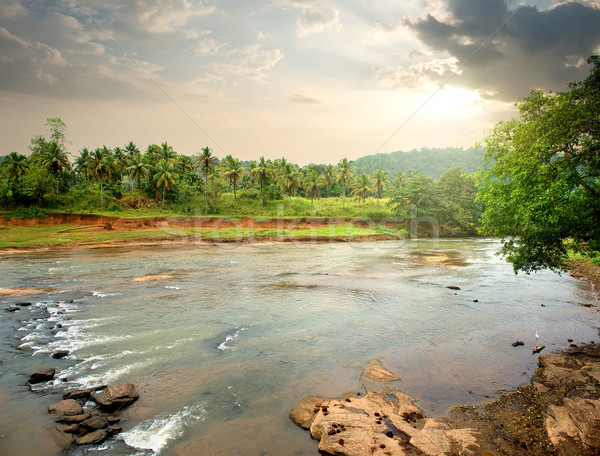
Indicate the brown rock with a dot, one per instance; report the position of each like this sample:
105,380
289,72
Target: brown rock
577,420
116,396
60,354
112,430
453,287
95,422
304,412
375,372
93,438
67,407
73,419
42,375
76,394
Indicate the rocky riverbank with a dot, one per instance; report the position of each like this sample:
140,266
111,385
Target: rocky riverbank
557,414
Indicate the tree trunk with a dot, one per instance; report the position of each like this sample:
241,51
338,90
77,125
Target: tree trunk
291,213
206,193
101,196
344,197
139,191
312,199
262,196
163,202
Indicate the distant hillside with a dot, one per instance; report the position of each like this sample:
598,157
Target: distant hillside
433,162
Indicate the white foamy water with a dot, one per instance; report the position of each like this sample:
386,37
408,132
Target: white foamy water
156,433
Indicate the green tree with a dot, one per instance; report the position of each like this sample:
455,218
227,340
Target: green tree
345,171
102,162
288,178
37,182
164,176
58,130
138,170
261,172
233,170
206,162
541,184
14,164
362,186
381,179
84,166
460,211
311,183
55,160
329,178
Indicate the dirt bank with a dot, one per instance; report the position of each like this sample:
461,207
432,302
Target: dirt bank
149,223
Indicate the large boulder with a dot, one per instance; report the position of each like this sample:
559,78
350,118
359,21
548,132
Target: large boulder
115,397
304,412
77,394
577,420
73,419
42,375
67,407
95,422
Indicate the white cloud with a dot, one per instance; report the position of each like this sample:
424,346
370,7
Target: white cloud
206,46
251,62
418,74
316,21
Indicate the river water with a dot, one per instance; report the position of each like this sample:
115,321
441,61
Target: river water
224,348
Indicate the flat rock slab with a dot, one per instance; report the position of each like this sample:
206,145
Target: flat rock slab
378,423
116,396
375,372
67,407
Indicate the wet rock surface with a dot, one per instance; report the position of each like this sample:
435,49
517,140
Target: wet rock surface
557,414
90,426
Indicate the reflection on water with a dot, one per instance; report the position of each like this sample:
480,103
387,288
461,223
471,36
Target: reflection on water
223,347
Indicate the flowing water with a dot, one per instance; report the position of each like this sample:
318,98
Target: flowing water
224,348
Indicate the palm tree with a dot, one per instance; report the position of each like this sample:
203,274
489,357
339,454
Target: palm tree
164,176
205,162
185,164
102,162
344,175
55,160
288,178
83,165
138,170
131,150
311,185
329,178
260,172
381,180
166,152
362,186
234,170
15,164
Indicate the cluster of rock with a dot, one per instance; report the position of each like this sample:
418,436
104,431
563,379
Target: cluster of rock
80,423
91,425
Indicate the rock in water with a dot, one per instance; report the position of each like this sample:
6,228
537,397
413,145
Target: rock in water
538,349
41,375
60,354
379,423
304,412
453,287
116,396
67,407
518,343
93,438
375,372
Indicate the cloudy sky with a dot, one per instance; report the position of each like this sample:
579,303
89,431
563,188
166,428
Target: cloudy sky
310,80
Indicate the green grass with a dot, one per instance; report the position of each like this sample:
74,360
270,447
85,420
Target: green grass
73,235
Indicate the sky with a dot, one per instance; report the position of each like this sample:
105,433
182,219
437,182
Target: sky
310,80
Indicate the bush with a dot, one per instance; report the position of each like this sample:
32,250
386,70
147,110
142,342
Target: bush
114,208
27,213
274,192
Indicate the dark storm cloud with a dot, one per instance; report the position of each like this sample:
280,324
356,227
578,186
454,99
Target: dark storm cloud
525,49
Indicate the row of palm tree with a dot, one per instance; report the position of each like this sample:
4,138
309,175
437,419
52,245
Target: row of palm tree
161,166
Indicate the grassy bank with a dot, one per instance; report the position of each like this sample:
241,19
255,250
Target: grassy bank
67,235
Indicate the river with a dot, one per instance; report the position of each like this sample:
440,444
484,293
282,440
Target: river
224,347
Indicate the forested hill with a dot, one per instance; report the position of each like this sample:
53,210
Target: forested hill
433,162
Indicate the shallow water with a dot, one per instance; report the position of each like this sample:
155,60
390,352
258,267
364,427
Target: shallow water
222,350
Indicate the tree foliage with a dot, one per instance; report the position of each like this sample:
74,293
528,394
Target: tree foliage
541,184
